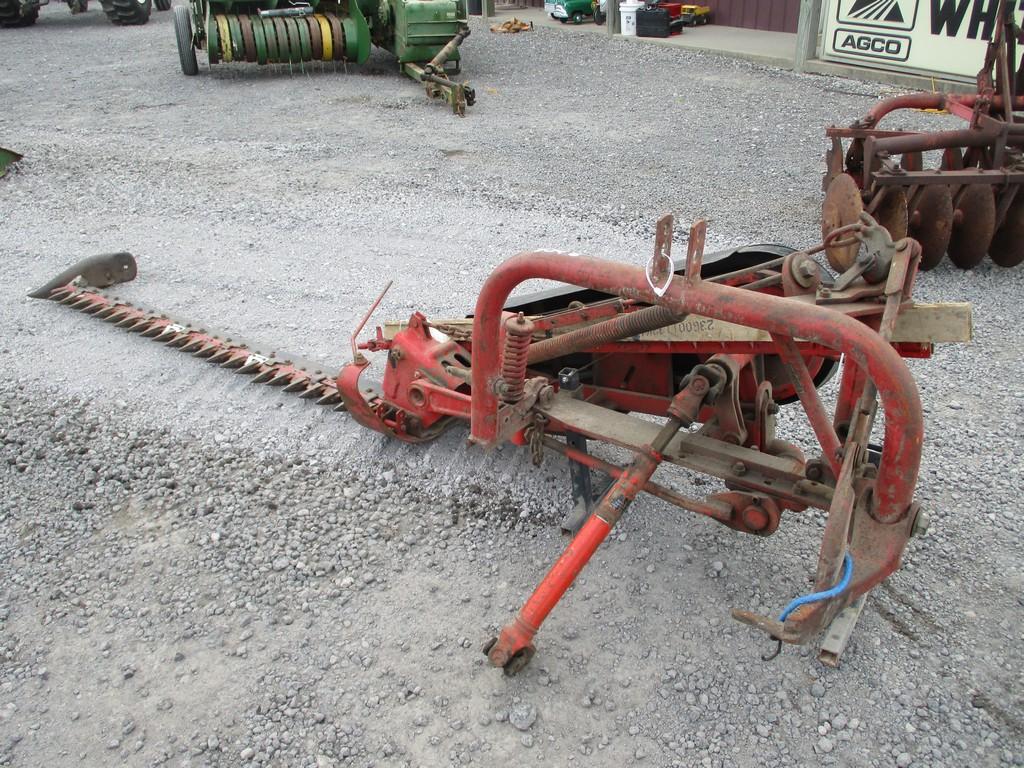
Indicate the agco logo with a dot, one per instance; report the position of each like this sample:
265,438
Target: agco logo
866,24
891,14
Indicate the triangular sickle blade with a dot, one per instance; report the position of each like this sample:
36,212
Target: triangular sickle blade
329,398
661,267
299,383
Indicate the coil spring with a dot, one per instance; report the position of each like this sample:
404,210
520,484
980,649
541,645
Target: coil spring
518,333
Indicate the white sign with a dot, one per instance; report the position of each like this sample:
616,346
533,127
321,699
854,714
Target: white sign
942,37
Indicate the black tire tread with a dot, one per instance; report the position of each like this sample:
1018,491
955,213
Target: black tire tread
128,12
10,14
163,5
183,36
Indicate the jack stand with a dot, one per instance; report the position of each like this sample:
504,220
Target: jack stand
839,632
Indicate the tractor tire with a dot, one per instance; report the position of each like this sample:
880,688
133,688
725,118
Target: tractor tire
163,5
598,18
128,13
11,14
183,34
577,18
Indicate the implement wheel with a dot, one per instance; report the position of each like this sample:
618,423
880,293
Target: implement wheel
162,5
128,13
183,34
11,14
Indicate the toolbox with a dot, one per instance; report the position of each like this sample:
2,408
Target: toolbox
653,21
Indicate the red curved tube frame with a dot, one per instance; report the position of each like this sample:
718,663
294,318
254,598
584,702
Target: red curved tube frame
929,101
904,425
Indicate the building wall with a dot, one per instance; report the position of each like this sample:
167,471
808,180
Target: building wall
769,15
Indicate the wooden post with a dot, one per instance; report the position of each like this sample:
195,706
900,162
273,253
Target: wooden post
807,30
612,9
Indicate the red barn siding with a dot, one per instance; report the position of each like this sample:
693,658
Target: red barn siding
769,15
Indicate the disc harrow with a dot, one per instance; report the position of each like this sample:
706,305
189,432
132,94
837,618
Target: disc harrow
711,350
969,205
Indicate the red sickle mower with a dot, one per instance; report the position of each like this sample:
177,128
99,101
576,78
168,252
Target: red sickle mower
712,349
969,206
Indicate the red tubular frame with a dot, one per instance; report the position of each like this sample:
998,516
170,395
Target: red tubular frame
904,424
930,101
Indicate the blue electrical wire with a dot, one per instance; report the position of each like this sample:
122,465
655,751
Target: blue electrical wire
814,597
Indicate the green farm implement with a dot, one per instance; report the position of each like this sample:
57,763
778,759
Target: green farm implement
424,35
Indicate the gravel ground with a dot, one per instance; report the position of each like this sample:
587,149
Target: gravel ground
198,572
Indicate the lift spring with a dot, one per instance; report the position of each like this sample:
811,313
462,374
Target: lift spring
518,334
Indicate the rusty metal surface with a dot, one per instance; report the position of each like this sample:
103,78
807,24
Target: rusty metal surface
930,222
842,207
974,224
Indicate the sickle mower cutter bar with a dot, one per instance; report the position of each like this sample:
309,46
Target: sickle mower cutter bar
719,344
969,206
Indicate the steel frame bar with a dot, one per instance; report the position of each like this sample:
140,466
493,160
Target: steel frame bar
796,367
904,424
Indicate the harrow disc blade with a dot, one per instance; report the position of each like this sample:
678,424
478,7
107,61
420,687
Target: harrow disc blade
842,206
1007,248
974,224
891,212
931,223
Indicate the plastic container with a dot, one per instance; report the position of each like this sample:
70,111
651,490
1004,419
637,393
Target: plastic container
627,15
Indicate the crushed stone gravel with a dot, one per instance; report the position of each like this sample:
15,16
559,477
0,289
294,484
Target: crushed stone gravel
198,572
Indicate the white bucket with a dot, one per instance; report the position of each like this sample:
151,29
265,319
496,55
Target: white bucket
627,14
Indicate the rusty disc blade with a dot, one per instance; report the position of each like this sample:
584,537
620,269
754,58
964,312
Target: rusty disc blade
842,206
1007,248
974,224
930,222
890,210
